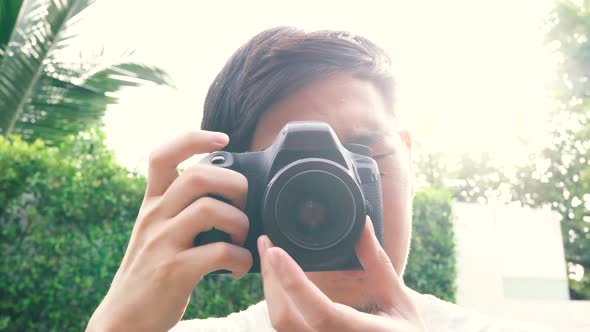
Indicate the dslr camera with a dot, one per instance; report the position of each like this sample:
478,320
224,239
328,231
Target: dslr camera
309,193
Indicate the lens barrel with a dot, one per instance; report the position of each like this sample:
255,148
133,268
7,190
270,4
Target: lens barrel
314,209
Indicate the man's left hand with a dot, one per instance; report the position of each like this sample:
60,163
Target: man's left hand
296,304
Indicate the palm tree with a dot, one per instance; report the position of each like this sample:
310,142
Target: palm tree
42,96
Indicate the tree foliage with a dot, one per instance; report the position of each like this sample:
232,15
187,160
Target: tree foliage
41,94
560,176
64,221
468,178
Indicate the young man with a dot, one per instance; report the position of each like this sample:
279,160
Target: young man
280,75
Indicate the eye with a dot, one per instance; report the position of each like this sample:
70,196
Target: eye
381,156
382,149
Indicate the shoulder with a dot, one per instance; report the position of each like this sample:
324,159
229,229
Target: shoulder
444,316
255,318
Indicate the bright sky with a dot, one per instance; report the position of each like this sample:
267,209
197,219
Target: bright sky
472,74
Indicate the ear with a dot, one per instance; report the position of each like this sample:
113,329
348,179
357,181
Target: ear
406,138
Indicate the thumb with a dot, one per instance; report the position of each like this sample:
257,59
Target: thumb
388,288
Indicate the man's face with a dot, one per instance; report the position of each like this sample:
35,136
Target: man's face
355,110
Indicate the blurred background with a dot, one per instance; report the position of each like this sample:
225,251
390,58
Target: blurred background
496,95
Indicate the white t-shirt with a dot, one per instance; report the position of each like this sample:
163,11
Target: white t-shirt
438,316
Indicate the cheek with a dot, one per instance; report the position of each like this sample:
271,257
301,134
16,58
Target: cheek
397,216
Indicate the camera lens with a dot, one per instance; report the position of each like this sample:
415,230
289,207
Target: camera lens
315,209
311,213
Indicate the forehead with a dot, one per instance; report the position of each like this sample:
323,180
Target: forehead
349,105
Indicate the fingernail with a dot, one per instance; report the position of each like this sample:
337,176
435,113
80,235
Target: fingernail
263,244
370,224
219,138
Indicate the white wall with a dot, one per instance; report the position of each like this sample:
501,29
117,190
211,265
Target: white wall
511,264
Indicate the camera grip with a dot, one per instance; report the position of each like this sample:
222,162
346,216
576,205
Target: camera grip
214,235
211,236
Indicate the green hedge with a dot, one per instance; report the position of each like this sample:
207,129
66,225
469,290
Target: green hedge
431,266
65,217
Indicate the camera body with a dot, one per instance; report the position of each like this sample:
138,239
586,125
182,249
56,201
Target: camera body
309,194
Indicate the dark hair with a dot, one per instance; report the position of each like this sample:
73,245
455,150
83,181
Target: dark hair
278,61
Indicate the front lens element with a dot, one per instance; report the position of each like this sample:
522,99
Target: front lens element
315,209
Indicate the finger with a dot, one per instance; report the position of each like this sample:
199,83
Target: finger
205,214
317,310
283,314
164,160
202,180
389,290
192,264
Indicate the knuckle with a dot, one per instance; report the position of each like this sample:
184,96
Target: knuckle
146,217
223,251
149,212
206,207
154,243
155,158
323,320
282,321
165,270
291,285
197,178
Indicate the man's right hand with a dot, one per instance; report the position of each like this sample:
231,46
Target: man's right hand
152,287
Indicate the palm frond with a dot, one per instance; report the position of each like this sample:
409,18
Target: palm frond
35,34
43,97
117,75
8,14
64,106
